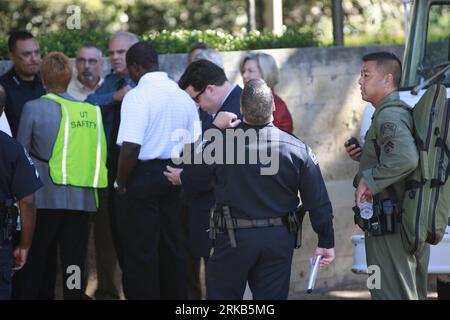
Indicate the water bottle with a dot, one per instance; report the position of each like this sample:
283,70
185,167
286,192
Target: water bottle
366,210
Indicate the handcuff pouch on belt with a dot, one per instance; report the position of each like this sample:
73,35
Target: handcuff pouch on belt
386,216
8,221
294,224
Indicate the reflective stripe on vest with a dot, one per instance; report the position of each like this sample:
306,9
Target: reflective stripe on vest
99,148
69,164
66,143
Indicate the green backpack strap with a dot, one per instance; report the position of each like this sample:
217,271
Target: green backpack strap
442,142
427,113
402,104
397,104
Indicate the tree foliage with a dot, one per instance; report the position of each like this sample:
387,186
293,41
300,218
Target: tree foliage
362,17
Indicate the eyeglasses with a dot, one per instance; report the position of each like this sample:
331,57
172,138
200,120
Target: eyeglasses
196,98
91,62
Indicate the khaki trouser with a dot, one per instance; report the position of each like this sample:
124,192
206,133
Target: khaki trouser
403,275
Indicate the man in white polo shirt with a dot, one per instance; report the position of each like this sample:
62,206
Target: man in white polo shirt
148,215
4,126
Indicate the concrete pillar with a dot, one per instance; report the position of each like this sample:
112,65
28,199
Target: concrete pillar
273,16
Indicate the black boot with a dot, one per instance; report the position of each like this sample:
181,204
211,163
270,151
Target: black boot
443,290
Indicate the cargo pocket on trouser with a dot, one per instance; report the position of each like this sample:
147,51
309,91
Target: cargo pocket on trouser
6,260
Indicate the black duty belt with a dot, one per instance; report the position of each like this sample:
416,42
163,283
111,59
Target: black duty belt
221,221
253,223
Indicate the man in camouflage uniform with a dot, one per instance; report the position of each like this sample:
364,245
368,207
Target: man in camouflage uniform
388,156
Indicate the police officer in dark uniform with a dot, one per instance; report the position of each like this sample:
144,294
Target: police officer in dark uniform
22,82
18,182
256,220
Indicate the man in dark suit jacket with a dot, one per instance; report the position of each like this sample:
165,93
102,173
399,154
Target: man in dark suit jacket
209,87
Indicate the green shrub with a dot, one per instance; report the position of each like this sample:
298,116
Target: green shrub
373,39
176,41
180,41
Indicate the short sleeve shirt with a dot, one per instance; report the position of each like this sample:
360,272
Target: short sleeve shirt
4,125
18,176
158,116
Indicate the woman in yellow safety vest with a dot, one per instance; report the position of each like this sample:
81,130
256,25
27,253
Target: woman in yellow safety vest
66,141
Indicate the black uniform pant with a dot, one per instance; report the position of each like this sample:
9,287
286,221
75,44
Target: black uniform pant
192,261
149,228
6,265
196,243
443,289
68,230
263,257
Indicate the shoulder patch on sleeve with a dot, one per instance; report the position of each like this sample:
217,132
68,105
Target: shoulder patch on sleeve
312,156
388,146
387,131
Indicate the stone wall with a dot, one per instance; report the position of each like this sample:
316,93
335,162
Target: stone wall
319,86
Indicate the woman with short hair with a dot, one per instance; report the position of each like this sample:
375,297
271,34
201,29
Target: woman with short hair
263,66
62,210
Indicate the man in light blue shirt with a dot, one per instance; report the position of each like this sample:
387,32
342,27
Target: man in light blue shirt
109,97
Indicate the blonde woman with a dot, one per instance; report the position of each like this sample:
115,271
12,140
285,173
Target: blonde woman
263,66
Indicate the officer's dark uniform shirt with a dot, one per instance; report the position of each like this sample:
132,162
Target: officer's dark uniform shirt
197,179
252,195
18,176
18,92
